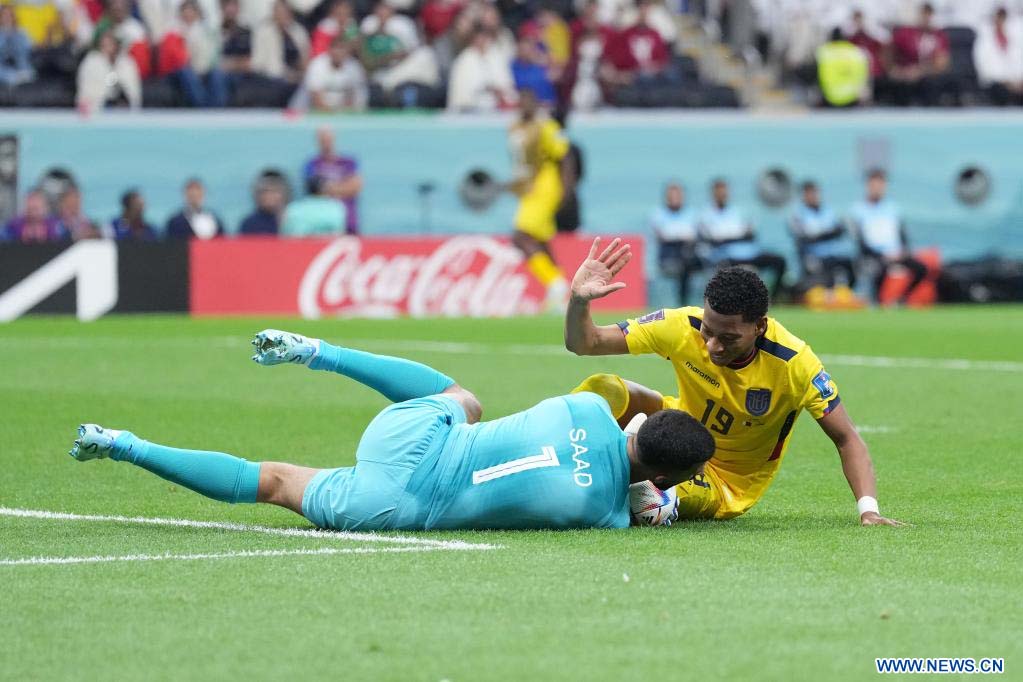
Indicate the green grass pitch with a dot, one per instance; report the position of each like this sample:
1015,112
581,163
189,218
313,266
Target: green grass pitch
793,590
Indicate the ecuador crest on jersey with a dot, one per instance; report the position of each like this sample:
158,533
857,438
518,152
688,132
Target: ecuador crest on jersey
758,401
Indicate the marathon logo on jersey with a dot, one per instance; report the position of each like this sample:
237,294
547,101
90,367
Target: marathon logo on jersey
758,401
703,375
822,382
655,316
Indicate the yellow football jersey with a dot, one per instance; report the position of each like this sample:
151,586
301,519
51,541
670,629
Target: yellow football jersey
750,410
536,146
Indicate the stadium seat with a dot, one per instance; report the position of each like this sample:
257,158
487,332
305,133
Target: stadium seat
161,93
629,96
924,295
44,93
714,97
251,90
687,68
960,42
409,96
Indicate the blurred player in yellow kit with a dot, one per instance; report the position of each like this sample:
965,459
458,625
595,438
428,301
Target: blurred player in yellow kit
537,146
740,372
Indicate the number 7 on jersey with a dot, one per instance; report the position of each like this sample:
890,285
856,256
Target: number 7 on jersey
548,457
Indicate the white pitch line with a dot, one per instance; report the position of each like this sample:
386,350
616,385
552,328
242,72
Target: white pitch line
241,554
960,364
238,527
876,429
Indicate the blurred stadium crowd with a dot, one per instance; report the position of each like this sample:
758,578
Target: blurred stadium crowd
467,55
896,52
473,55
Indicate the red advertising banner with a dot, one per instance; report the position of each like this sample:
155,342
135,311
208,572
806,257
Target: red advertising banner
472,275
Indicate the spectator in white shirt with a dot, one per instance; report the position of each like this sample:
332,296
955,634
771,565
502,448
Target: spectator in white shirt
392,52
481,77
280,46
334,81
998,57
108,75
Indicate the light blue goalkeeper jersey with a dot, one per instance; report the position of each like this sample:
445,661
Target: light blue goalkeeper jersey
560,464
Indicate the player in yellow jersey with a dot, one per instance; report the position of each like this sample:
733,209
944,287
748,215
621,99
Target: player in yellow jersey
537,146
739,371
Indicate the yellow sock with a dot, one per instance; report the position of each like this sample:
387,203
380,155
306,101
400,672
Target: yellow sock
543,268
611,388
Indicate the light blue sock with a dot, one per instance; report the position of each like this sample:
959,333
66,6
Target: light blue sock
398,379
214,474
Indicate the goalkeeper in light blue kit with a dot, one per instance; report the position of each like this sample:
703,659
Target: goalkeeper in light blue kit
427,462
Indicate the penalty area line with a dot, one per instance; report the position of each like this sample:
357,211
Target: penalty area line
241,554
244,528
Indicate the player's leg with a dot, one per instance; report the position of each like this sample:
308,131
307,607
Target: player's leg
625,398
918,272
534,228
468,400
397,379
698,497
774,262
880,273
538,259
284,484
216,475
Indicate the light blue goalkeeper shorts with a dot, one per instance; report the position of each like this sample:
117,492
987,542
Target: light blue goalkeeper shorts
365,496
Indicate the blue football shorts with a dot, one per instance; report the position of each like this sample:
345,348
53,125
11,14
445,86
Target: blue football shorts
365,496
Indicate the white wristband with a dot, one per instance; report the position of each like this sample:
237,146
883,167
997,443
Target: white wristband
867,504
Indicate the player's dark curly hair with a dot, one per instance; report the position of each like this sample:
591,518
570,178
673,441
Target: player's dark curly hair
673,440
737,291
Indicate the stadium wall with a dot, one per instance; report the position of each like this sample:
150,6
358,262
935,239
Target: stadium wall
629,157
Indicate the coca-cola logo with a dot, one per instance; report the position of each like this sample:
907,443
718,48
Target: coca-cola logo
463,276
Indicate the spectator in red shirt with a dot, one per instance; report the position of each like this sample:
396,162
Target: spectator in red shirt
920,61
590,39
340,21
637,55
861,37
438,15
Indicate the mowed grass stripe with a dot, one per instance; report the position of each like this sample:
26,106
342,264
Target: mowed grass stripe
462,348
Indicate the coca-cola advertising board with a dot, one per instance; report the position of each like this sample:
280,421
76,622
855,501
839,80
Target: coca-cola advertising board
476,276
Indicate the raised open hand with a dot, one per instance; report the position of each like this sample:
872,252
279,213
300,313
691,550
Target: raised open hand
593,278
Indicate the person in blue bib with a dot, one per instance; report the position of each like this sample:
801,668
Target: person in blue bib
820,236
884,243
427,461
731,237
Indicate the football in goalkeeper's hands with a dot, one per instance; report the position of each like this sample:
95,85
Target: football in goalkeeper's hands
651,506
